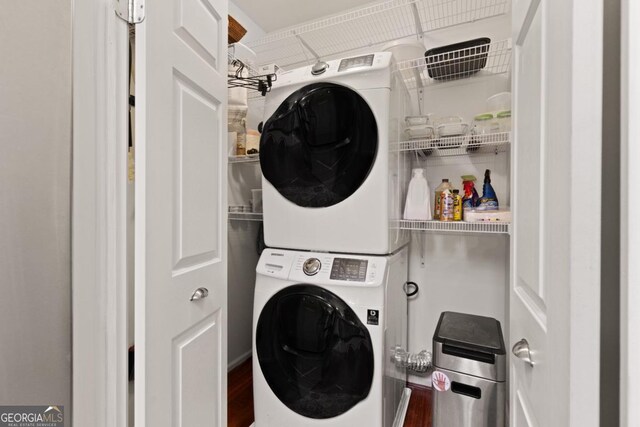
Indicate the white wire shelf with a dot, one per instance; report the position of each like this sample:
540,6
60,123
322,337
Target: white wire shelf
368,26
458,145
249,158
454,226
481,61
245,216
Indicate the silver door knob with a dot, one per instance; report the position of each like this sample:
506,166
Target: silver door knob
521,351
199,294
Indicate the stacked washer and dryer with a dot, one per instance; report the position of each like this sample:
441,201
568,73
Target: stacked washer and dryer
330,305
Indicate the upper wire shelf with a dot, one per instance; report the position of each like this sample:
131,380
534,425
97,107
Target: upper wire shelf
368,26
243,213
457,145
479,61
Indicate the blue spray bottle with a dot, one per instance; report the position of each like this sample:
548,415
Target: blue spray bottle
489,200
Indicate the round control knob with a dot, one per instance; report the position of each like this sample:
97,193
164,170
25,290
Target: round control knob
319,68
311,266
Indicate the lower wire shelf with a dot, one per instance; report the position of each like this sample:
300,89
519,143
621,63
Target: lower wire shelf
249,158
413,225
454,226
245,216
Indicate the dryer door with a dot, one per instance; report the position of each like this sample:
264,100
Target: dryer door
320,145
314,352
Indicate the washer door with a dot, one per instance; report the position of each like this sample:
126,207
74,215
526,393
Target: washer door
314,352
320,145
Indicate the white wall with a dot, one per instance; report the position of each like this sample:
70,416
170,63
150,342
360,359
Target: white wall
465,273
254,31
242,254
35,194
243,259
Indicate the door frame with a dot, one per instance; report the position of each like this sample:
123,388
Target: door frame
100,115
99,255
630,206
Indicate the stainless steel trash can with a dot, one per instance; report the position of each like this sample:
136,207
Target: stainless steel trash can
469,361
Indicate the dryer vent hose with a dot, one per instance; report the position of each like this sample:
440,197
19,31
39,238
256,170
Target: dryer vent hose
419,362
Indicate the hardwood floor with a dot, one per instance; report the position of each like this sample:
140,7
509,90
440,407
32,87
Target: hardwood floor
240,403
419,412
240,396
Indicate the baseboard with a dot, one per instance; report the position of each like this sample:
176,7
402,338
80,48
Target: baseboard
238,360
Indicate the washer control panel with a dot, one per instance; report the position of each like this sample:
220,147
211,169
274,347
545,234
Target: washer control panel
323,268
311,266
373,69
349,269
356,62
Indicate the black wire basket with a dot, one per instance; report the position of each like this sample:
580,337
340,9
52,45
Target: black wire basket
458,60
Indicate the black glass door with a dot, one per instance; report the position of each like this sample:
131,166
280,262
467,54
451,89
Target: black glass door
320,145
314,352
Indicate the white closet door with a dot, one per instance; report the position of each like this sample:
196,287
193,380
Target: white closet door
181,215
555,284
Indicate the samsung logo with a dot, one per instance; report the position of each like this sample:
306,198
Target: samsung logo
276,254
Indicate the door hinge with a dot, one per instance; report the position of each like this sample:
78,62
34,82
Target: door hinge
132,11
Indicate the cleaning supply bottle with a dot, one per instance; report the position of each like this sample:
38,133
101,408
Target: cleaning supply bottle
444,185
489,200
446,205
418,205
470,199
457,205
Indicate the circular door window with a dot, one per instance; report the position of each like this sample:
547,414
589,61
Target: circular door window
320,145
314,352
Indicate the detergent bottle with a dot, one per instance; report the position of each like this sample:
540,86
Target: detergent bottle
418,205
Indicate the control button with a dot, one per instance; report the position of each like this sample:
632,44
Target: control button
319,68
311,266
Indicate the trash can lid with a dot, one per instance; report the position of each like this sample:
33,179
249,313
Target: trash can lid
470,331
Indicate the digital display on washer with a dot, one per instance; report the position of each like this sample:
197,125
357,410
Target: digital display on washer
354,270
358,61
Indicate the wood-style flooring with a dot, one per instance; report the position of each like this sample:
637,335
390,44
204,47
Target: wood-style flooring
240,400
240,396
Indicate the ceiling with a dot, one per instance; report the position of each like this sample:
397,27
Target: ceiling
273,15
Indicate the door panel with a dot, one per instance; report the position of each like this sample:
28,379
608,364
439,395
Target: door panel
528,306
522,412
196,372
196,202
554,292
181,215
530,138
198,24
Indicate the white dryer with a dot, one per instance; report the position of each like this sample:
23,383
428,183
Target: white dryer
330,180
324,326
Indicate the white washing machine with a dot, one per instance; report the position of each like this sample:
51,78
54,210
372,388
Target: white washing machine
324,326
330,180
